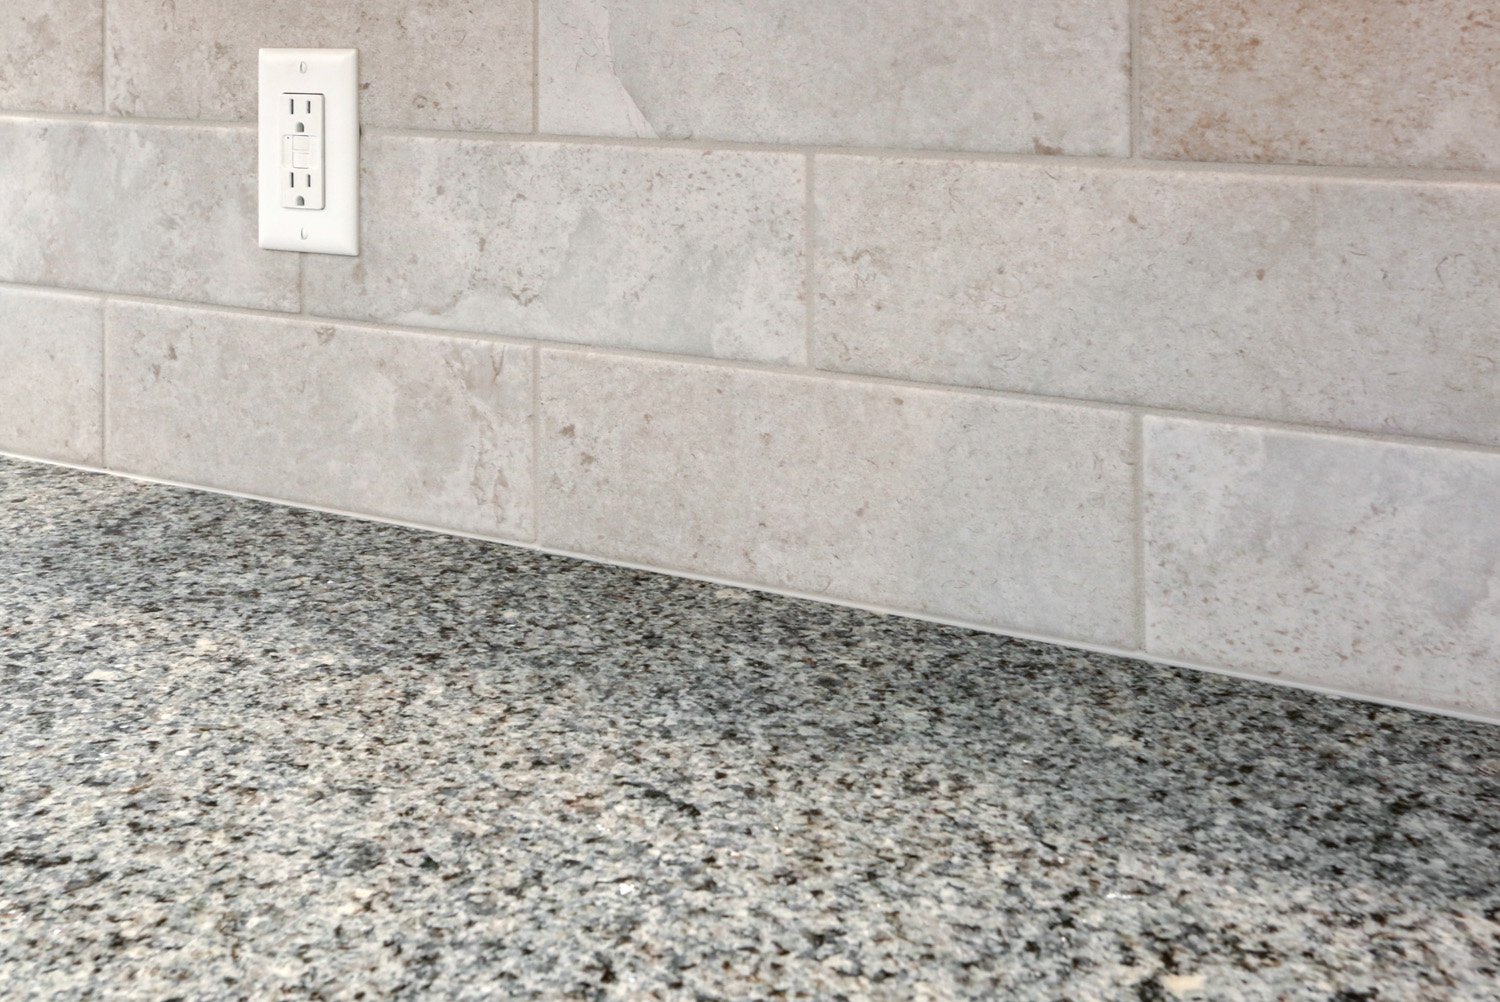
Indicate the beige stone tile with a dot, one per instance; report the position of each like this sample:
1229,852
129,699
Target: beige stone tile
1017,515
424,428
1344,82
51,55
148,210
51,375
1043,76
661,249
1361,304
1360,565
437,64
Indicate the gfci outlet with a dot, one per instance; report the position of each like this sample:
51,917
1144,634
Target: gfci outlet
309,150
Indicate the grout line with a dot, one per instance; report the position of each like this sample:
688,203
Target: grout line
1134,35
793,372
125,121
1329,172
809,250
1139,431
537,470
869,607
536,67
104,57
104,382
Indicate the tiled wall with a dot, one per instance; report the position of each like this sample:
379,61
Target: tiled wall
1159,325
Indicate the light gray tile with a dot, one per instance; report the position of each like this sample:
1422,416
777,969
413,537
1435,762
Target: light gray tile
439,64
149,210
1047,76
1384,84
51,375
1017,515
1362,304
425,428
52,55
667,250
1354,564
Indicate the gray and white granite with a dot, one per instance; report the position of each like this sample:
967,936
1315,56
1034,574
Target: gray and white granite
247,751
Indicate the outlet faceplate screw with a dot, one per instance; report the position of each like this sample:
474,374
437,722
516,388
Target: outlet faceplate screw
304,233
302,67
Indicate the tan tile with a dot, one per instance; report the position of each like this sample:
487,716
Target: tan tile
660,249
1042,76
51,55
1016,515
51,374
440,64
148,210
424,428
1358,565
1362,304
1345,82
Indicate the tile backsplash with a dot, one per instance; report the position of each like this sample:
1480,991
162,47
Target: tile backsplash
1159,326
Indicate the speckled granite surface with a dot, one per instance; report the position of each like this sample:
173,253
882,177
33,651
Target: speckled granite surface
254,752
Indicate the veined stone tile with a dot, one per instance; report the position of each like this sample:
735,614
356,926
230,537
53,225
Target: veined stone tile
1013,514
1362,304
439,64
1359,565
1346,82
51,55
660,249
1047,76
148,210
51,375
426,428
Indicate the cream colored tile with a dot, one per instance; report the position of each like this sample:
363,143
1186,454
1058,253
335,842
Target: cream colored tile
1359,565
438,64
1017,515
1346,82
661,249
51,55
424,428
1044,76
1362,304
147,210
51,374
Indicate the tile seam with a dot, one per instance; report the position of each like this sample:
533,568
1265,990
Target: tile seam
1133,33
536,444
1139,432
1353,172
809,264
536,67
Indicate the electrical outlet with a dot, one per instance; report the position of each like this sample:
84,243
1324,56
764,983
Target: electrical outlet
309,150
302,151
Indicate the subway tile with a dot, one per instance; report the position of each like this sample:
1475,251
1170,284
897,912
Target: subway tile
1047,76
1362,304
52,55
51,375
1360,565
661,249
149,210
1016,515
1352,82
425,428
440,64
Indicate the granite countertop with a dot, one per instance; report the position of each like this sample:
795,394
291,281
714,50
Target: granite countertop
248,751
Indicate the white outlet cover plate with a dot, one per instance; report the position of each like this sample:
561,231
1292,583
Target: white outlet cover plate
334,73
